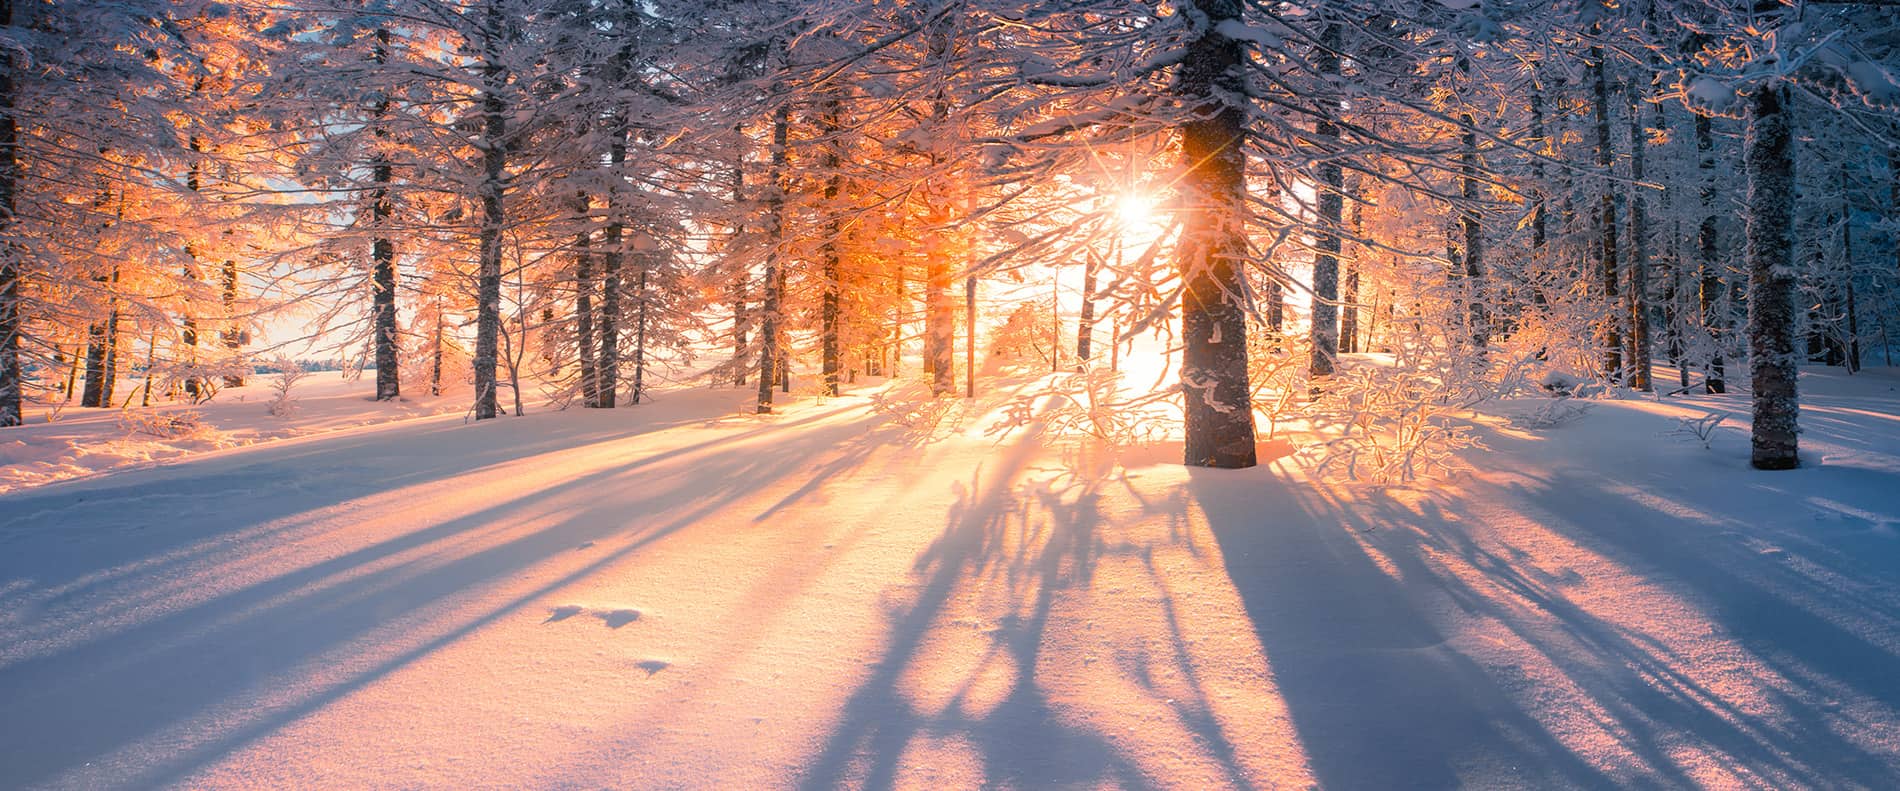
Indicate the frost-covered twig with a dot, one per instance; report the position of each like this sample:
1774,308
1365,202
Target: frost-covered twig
1702,428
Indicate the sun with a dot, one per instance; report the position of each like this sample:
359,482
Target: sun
1140,218
1135,210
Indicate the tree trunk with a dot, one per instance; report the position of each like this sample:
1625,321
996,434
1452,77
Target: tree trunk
493,145
1606,218
194,385
584,336
939,324
784,344
1851,345
12,318
736,290
1637,292
1709,294
1325,326
969,345
1673,317
613,242
72,372
151,361
1771,316
830,114
1085,327
641,316
233,334
939,311
1477,317
435,368
1540,219
1218,415
1349,302
383,251
769,319
97,350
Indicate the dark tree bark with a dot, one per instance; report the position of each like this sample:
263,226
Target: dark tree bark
1325,325
494,148
383,250
1085,326
1477,316
1349,302
1771,312
1636,295
612,257
642,315
97,350
112,347
233,334
194,384
1606,217
102,347
1709,292
1851,344
12,318
737,290
1540,219
1219,415
830,113
435,366
1275,297
585,341
770,361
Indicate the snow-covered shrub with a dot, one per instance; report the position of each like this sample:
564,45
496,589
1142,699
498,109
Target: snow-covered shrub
164,425
1559,342
1551,414
1091,403
921,415
1385,420
1028,336
1388,425
1558,384
288,373
421,356
1276,370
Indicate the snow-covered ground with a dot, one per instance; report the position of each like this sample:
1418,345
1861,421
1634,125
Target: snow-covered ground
682,595
71,441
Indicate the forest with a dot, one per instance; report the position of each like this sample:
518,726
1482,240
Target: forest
575,194
1014,394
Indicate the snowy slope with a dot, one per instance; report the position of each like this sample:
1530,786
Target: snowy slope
82,441
681,595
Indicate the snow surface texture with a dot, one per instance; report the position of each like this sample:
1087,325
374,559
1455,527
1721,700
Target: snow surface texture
87,441
684,596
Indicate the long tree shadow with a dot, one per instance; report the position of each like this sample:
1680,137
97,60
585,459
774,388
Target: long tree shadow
1021,741
1019,540
169,675
143,522
1379,698
1342,593
1822,623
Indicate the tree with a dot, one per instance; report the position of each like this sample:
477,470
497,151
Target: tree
1219,414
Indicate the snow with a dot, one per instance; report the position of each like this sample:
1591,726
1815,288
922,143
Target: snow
1252,34
1708,93
1874,82
682,595
74,441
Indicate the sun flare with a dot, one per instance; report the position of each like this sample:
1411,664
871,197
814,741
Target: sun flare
1137,212
1139,218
